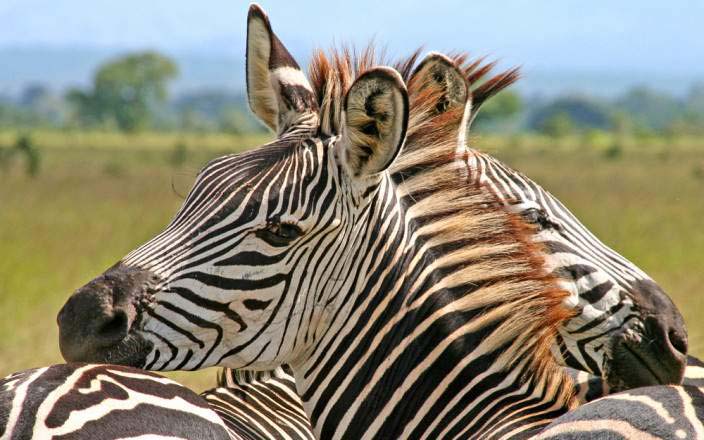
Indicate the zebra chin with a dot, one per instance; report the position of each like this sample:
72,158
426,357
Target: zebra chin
98,323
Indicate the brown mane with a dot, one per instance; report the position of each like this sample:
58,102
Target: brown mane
493,247
331,74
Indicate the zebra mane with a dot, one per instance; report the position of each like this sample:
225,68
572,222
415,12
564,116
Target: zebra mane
331,74
501,269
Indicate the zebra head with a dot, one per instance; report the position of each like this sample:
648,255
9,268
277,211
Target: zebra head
262,243
626,328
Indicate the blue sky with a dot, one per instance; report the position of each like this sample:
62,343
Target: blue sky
597,35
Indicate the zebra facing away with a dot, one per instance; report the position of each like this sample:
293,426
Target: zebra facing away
307,252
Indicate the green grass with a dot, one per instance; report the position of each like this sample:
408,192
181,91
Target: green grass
98,199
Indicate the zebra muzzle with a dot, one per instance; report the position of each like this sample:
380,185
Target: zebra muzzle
96,324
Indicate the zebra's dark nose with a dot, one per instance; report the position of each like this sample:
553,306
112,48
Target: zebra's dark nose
95,322
663,322
660,354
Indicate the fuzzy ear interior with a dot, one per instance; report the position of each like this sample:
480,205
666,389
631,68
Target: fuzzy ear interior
376,118
438,73
277,90
444,80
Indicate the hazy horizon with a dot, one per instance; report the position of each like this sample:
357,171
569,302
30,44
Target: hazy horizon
557,44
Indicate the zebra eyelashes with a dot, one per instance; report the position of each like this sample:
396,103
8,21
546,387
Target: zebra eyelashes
278,234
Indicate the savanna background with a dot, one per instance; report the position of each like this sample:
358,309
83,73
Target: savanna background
108,110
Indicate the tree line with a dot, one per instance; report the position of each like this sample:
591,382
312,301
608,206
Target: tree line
131,93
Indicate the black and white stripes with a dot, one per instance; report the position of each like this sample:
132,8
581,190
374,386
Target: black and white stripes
84,401
407,302
614,299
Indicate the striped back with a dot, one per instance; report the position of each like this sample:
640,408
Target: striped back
86,402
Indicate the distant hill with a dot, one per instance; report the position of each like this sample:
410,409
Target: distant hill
60,68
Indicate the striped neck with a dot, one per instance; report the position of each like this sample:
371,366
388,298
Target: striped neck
424,339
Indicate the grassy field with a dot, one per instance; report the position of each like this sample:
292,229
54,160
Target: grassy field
99,195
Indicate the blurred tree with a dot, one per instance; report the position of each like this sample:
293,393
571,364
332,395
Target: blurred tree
695,99
690,121
212,110
501,107
34,95
573,112
650,108
557,125
25,146
126,90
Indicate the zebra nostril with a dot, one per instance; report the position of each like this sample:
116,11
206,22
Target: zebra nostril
677,341
113,329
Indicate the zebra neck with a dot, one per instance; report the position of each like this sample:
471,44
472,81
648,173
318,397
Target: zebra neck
412,360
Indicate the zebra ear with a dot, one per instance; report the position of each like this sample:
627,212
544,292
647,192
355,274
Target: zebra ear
376,117
277,90
438,73
440,76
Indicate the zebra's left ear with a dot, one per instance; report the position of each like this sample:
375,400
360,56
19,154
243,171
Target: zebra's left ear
277,90
376,118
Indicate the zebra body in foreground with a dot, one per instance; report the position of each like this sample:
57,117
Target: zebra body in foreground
646,413
88,401
100,401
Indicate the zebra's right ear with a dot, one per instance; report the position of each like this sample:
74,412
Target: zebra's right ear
441,78
438,73
277,90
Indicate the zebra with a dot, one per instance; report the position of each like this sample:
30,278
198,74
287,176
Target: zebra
399,255
646,413
88,401
260,405
623,317
639,302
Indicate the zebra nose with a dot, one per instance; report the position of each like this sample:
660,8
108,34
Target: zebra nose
671,337
665,328
98,317
88,324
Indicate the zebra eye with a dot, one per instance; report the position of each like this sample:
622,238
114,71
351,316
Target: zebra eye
279,233
539,218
